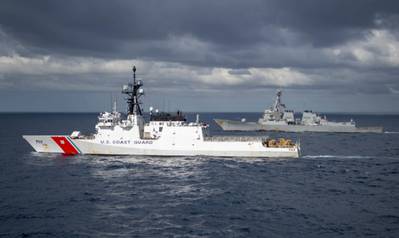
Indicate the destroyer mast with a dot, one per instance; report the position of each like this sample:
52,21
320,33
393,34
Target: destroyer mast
278,106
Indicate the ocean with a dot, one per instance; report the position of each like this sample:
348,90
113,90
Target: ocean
344,185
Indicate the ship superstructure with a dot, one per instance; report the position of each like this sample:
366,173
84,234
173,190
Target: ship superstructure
278,114
162,135
278,118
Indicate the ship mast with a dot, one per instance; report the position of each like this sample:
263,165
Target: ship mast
278,106
134,92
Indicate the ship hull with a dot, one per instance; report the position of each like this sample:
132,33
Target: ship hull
230,125
66,145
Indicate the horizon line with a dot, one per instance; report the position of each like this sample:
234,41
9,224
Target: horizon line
192,112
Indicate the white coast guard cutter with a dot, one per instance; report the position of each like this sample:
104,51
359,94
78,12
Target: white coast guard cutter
161,136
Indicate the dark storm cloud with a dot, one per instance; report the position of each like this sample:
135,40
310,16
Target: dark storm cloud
207,47
126,29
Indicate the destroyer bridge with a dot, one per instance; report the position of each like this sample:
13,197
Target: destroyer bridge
163,135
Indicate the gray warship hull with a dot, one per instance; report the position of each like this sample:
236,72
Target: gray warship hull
230,125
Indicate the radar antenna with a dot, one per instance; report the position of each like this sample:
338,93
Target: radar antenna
278,106
134,92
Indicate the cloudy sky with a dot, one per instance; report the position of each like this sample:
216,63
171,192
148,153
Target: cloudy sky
329,56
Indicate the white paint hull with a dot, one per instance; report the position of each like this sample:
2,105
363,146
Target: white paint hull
161,136
47,144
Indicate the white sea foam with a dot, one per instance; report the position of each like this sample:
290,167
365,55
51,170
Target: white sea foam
391,132
162,166
347,156
337,156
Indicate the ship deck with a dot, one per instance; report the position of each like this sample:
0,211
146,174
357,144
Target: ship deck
235,138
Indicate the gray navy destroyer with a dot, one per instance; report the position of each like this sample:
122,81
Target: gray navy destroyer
278,118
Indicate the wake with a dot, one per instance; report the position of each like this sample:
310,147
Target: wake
348,157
